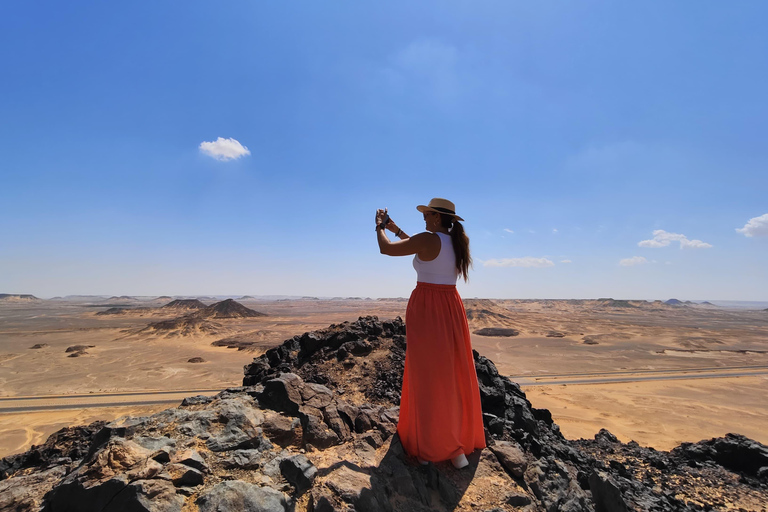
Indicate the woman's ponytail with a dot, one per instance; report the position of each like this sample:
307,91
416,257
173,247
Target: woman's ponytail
460,244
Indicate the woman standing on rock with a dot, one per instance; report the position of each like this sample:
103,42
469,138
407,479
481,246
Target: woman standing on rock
440,412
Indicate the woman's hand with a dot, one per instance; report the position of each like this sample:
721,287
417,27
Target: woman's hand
380,216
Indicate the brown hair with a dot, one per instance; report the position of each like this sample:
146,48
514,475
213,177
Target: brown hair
460,244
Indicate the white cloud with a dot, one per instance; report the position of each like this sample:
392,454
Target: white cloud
554,231
566,261
528,262
509,231
756,226
224,149
635,260
663,238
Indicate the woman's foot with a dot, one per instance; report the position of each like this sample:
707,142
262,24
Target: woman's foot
460,461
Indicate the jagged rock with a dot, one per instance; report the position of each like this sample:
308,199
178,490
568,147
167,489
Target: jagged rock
511,456
121,477
154,443
69,443
25,492
606,493
196,360
316,432
196,400
554,483
243,497
353,486
282,430
734,451
183,475
298,471
192,459
243,459
283,394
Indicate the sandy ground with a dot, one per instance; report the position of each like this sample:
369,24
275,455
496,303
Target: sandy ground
688,373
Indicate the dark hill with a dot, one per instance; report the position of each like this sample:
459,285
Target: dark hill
187,325
228,309
185,304
673,302
615,303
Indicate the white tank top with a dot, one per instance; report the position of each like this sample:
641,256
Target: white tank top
441,270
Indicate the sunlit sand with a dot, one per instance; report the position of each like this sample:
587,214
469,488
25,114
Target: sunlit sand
657,374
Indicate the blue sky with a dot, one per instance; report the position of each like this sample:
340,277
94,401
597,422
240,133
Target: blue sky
567,133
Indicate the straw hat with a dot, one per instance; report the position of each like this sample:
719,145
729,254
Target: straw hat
440,205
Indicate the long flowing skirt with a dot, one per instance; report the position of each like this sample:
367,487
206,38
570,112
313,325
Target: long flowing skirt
440,412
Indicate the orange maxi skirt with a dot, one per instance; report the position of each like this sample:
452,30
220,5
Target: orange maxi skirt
440,412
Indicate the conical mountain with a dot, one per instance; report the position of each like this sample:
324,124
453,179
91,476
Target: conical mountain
229,309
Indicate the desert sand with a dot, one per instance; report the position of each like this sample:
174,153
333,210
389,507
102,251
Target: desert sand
649,372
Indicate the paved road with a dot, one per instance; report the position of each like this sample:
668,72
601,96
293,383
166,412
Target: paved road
15,405
640,376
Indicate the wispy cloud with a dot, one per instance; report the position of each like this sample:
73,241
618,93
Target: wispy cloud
509,231
528,262
663,238
756,226
635,260
555,231
224,149
566,261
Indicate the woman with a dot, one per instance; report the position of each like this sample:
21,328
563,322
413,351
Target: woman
440,412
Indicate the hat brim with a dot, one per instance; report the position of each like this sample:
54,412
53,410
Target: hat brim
423,208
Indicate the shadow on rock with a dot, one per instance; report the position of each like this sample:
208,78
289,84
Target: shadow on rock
398,484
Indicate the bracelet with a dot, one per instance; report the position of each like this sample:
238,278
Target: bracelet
399,232
381,226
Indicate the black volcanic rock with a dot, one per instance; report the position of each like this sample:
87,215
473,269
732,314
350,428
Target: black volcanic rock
184,326
497,331
228,309
114,311
185,304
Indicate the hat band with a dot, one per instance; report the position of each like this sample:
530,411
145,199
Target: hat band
443,210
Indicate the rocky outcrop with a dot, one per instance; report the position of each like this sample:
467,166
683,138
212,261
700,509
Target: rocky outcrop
496,331
313,428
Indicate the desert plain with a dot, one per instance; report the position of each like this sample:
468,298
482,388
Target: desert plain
656,373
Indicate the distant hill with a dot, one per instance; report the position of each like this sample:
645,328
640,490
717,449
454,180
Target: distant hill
614,303
18,297
228,309
185,304
184,326
673,302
